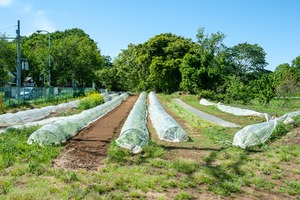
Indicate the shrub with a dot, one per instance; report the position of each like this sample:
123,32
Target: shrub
91,101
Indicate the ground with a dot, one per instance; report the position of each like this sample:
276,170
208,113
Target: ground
88,149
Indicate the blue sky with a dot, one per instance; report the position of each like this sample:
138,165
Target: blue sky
113,24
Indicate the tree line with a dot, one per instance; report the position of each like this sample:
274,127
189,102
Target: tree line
74,56
165,63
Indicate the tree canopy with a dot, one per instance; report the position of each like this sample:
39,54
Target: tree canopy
164,63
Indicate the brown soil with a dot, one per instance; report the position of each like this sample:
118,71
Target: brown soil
88,149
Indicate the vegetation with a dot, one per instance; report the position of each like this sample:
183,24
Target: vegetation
165,63
92,100
75,58
206,165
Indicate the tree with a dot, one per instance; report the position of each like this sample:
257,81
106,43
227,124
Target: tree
201,68
153,65
265,88
74,57
166,53
296,62
7,59
287,79
246,58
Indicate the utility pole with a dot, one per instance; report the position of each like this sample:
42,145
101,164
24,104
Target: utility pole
18,60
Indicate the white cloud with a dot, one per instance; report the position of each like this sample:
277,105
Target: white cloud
4,3
41,22
26,9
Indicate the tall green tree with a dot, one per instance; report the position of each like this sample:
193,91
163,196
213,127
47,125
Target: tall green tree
202,66
247,59
166,52
287,77
265,88
74,58
8,58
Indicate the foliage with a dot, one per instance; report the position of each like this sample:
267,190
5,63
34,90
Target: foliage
287,77
246,58
74,58
7,59
236,90
92,100
265,88
15,150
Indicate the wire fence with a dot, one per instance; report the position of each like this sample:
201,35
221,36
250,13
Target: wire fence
10,97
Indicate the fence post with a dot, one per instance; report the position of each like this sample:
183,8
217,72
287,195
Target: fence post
1,106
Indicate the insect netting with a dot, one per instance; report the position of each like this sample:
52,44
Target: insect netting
256,134
165,126
108,97
235,111
206,103
134,133
32,115
67,127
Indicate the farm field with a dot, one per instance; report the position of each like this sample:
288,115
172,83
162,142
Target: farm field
205,167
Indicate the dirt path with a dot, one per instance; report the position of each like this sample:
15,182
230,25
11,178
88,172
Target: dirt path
88,148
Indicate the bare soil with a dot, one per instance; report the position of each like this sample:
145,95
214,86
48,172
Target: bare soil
89,148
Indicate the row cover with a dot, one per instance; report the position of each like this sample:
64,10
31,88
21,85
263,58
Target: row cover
256,134
67,127
236,111
24,117
134,133
165,126
36,114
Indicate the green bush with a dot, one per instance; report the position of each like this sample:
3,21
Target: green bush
91,101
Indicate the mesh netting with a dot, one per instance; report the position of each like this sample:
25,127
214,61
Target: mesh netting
165,126
235,111
67,127
134,133
242,112
206,103
32,115
256,134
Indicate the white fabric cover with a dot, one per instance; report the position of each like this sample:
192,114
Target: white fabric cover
165,126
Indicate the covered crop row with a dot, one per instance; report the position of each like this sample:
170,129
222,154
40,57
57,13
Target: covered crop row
259,133
67,127
235,111
25,116
134,133
165,126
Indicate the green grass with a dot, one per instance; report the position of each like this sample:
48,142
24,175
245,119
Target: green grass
205,166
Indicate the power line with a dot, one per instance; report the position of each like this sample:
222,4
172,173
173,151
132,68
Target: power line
8,28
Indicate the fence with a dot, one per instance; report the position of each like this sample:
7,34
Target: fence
10,97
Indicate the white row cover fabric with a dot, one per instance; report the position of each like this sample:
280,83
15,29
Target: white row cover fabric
242,112
31,124
235,111
165,126
65,128
256,134
134,133
108,97
25,116
206,103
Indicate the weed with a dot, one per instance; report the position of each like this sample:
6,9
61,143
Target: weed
184,195
92,100
262,183
185,165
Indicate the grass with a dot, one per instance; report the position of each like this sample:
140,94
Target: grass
206,166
